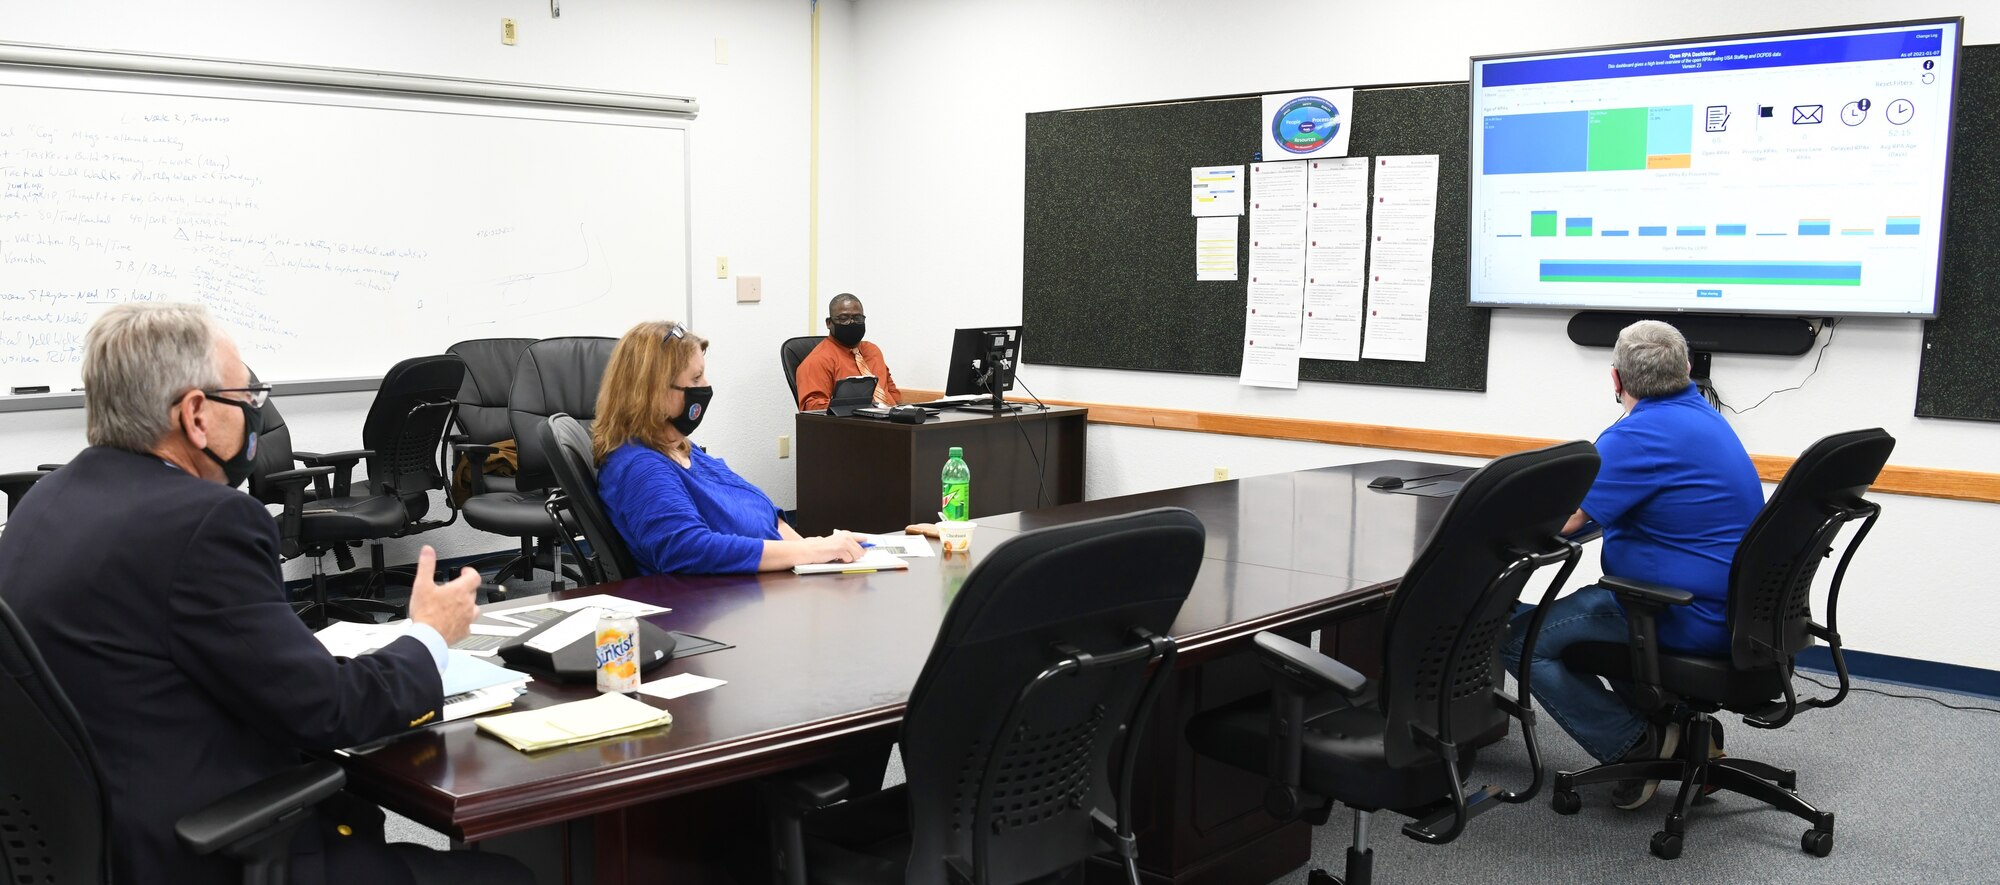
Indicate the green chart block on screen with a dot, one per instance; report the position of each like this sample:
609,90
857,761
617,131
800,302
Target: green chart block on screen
1617,139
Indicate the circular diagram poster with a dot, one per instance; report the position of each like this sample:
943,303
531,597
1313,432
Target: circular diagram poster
1298,125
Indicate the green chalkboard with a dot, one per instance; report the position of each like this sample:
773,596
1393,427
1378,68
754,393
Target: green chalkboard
1108,270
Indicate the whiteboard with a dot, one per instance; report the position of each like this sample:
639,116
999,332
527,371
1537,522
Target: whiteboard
333,231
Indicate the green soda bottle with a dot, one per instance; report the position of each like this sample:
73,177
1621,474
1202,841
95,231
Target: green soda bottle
957,501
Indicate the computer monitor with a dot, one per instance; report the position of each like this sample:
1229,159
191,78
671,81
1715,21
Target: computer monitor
1800,173
982,362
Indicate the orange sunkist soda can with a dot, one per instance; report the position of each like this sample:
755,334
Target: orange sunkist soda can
617,652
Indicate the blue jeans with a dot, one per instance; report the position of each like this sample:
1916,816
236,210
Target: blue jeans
1594,715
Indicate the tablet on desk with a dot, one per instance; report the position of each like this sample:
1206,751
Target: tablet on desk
850,393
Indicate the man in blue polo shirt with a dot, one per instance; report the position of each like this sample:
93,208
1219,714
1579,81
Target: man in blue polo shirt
1675,494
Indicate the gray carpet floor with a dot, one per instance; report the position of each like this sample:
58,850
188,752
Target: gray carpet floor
1907,780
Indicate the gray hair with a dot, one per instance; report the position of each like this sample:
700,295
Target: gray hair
1652,359
137,360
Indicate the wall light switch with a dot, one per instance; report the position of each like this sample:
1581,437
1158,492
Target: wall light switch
507,31
722,50
784,446
721,267
749,289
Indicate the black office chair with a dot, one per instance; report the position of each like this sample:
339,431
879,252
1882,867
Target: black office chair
1407,740
1039,674
403,439
1769,618
482,402
52,804
790,354
15,485
319,516
576,507
555,376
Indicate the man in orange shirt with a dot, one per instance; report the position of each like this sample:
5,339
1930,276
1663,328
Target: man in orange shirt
843,354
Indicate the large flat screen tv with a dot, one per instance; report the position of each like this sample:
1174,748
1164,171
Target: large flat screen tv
1800,173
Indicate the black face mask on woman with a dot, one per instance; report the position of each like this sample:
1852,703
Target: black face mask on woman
850,334
697,406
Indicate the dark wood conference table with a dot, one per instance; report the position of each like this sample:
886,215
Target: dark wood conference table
822,665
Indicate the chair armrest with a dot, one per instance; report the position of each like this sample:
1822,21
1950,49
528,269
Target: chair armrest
50,468
1644,601
811,789
476,455
257,811
1309,669
1633,590
788,798
293,484
343,481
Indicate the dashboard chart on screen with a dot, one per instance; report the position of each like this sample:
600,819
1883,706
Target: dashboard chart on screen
1798,173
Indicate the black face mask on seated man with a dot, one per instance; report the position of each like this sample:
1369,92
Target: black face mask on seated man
697,407
236,468
850,334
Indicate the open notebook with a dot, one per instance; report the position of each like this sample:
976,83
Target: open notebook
875,560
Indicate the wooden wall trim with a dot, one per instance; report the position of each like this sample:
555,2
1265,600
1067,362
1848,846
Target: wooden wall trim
1926,482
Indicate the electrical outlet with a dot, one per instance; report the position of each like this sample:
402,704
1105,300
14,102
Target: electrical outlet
784,446
721,267
507,32
1221,473
722,50
749,289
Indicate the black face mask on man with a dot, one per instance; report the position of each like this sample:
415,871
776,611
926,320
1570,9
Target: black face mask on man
236,468
850,334
697,399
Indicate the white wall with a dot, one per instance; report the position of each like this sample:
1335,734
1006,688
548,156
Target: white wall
921,215
943,87
749,149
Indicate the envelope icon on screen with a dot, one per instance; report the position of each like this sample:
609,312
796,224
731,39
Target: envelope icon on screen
1808,113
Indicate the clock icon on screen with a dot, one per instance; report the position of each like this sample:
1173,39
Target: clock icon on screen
1854,112
1900,111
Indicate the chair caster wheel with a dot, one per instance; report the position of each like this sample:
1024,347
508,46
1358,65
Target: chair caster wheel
1789,780
1818,843
1565,802
1666,846
1322,877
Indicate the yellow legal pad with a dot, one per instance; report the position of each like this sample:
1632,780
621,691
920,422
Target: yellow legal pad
574,722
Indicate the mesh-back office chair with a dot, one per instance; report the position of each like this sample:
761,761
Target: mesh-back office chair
1769,618
567,443
404,432
403,437
554,376
1038,675
54,826
790,354
482,401
1407,740
320,515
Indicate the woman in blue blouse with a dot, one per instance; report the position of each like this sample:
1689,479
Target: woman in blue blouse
680,510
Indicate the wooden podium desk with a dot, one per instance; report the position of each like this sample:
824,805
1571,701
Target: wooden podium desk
870,475
823,664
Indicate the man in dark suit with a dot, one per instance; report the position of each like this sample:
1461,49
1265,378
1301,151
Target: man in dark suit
153,591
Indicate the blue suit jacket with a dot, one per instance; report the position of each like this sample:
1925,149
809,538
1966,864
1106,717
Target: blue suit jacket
157,601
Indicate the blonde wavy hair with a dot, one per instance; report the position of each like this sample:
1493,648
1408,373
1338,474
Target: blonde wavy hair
643,367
